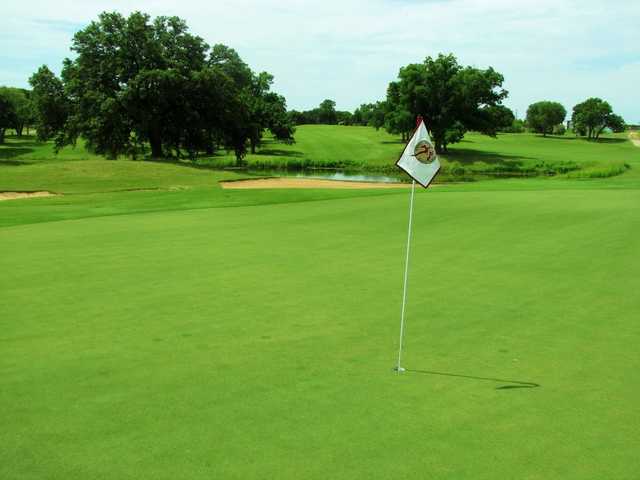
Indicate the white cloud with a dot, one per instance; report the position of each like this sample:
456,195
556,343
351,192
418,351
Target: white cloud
350,50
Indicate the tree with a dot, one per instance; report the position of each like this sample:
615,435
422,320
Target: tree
7,115
344,117
327,112
361,114
593,116
267,110
398,119
543,116
50,104
23,111
376,115
451,98
501,116
128,81
517,126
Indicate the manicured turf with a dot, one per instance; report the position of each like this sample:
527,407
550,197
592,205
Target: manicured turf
182,341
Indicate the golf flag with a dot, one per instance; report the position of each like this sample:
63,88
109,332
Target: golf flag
419,158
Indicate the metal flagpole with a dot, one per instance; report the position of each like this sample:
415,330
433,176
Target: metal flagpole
406,275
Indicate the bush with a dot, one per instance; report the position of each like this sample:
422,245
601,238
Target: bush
611,169
518,126
559,129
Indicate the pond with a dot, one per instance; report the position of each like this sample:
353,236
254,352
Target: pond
386,177
334,175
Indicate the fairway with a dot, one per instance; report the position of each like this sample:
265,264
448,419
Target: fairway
258,341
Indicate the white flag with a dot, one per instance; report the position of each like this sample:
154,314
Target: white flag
419,158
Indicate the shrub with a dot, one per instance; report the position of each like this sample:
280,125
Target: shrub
559,129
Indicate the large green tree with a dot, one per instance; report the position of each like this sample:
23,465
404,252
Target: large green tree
262,108
51,105
20,99
450,97
543,116
593,116
7,115
327,112
137,82
267,110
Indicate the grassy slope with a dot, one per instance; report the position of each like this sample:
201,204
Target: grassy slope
256,342
366,148
91,186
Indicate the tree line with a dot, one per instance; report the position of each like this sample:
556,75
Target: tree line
590,118
454,99
139,86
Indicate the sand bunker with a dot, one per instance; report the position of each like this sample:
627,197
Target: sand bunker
289,182
17,195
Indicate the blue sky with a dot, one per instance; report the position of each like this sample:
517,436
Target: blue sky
350,50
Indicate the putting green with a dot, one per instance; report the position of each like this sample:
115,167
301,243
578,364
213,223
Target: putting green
258,341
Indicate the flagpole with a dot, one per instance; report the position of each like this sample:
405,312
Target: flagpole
406,276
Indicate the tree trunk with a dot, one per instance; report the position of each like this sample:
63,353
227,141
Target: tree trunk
438,142
156,144
19,129
253,145
208,148
1,135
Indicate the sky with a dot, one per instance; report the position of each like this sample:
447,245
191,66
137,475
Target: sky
349,50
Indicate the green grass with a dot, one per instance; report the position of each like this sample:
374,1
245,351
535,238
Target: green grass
93,176
203,333
257,342
364,148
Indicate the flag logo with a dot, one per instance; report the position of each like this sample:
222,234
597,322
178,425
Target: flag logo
424,152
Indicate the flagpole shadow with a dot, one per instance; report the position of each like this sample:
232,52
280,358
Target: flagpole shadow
513,383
